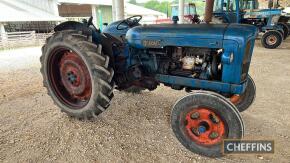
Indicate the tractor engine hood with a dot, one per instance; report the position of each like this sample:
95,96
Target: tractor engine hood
201,35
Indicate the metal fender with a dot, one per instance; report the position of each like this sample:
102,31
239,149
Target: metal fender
73,25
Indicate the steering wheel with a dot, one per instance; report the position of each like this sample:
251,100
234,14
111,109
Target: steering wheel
130,22
90,21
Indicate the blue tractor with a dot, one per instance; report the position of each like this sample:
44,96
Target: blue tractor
270,22
81,66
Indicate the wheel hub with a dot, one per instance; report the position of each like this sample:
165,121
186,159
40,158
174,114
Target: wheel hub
69,78
204,126
271,40
74,76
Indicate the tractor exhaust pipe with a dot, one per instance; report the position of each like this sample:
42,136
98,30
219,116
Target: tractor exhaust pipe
208,11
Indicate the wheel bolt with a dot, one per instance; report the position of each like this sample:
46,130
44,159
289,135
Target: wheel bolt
194,115
213,135
195,131
214,118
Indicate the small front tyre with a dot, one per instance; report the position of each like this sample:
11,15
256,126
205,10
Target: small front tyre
272,39
245,100
201,121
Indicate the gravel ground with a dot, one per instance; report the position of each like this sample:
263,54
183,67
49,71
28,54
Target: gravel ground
135,128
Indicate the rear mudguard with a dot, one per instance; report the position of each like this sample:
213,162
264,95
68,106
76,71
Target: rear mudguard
106,41
72,25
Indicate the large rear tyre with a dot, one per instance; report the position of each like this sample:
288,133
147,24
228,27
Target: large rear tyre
245,100
286,30
271,39
201,121
77,74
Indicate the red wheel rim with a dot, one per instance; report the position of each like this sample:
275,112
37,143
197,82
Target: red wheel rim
271,40
69,78
204,127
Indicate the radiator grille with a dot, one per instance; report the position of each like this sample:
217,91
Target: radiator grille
246,61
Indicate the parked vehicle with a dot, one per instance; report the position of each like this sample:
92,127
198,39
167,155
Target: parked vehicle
190,14
82,66
270,22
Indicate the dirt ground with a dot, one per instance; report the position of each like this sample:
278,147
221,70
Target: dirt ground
135,128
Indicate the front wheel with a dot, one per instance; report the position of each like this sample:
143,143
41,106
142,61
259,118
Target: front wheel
245,100
271,39
76,74
201,121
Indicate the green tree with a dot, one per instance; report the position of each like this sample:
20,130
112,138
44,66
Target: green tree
163,7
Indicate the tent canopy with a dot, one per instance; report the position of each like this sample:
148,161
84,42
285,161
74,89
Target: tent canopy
17,11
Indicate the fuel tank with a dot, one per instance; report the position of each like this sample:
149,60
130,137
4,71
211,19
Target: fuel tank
188,35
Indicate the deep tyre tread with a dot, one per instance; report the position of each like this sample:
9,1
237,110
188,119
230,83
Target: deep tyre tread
276,34
223,107
97,64
248,97
286,30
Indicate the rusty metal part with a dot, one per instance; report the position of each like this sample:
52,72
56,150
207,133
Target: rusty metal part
194,115
69,77
214,118
195,131
203,130
75,76
235,99
271,40
208,11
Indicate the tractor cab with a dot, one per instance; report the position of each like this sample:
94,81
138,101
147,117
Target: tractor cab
189,9
190,13
235,11
248,5
227,11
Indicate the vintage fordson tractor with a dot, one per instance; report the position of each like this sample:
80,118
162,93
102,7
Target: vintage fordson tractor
81,67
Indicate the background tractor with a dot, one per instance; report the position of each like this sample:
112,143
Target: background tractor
81,67
190,14
270,22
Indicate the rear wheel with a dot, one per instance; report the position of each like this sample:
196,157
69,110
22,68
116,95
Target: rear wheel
76,74
272,39
202,120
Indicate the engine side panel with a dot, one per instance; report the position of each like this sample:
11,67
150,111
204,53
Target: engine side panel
210,57
185,35
238,48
